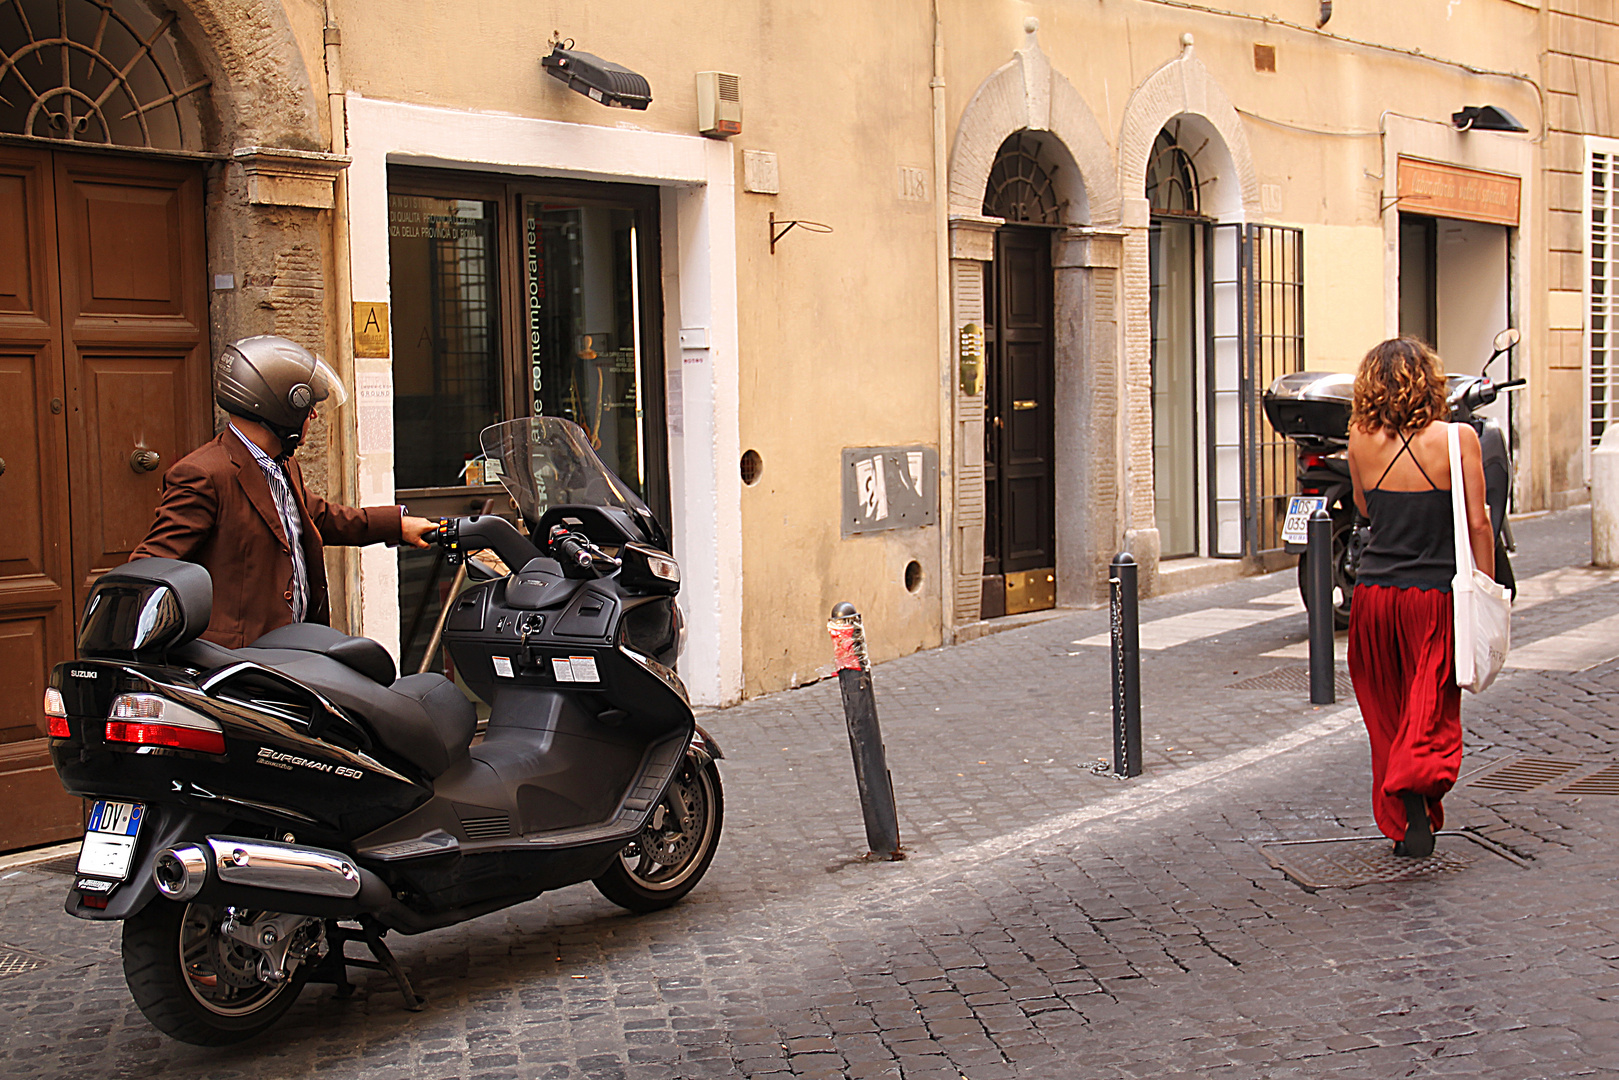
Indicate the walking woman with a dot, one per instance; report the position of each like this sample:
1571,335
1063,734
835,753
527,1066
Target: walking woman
1401,655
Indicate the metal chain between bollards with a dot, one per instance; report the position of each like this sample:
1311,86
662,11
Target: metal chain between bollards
865,736
1124,617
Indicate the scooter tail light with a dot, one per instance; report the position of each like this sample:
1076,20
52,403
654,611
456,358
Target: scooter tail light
181,738
1309,491
1313,461
56,714
150,720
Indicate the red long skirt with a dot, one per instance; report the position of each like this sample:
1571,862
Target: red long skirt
1401,661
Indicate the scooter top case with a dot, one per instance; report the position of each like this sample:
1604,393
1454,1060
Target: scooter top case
1312,407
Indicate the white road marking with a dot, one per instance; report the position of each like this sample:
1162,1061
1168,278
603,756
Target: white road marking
1563,582
1176,630
1572,650
1157,795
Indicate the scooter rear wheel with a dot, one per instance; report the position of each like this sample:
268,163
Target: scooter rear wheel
669,858
194,984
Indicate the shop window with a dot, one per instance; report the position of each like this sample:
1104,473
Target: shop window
446,369
513,297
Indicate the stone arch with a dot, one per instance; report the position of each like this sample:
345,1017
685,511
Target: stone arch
1184,88
262,94
1026,93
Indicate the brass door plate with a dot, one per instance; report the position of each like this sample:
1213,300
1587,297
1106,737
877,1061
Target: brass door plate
1031,590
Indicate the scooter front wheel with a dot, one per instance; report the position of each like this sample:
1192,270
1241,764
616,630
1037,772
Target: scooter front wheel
672,853
199,985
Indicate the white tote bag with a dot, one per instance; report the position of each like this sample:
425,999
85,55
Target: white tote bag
1483,612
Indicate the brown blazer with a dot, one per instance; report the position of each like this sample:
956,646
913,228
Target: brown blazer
217,511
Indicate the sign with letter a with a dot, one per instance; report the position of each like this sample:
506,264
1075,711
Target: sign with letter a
370,329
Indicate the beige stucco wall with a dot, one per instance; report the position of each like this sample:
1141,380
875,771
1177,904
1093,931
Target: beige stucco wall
839,333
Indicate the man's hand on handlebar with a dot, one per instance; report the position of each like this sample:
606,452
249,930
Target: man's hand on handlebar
415,530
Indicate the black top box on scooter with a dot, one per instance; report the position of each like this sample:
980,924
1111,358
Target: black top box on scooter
1312,406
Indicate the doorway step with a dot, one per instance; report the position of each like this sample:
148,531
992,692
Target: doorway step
1178,575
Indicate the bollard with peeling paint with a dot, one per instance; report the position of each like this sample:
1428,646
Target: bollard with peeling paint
865,737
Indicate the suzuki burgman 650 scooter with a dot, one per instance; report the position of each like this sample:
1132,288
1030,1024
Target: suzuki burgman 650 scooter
256,809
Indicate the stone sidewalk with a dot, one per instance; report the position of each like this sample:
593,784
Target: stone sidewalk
1050,922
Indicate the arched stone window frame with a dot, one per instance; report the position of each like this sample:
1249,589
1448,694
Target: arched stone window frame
1185,90
1028,94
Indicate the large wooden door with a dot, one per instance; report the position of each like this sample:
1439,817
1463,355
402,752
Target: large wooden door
103,356
1019,428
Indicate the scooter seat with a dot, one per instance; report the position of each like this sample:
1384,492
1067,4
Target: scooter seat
422,718
362,654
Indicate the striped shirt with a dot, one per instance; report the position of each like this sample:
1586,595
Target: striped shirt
286,505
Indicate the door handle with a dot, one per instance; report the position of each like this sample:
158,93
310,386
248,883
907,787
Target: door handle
1023,404
2,466
143,460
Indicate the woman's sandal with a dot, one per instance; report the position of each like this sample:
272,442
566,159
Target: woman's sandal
1418,842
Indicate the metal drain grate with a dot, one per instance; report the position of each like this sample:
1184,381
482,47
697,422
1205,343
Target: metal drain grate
13,962
1605,781
1297,680
1558,777
1348,862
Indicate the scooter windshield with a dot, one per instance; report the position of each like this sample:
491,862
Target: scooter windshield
545,461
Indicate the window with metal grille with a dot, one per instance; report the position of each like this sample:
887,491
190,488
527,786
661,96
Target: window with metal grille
1602,365
98,71
1257,297
1020,189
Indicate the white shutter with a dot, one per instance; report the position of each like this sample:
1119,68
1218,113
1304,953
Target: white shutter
1601,301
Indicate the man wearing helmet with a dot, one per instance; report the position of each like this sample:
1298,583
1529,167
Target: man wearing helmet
238,506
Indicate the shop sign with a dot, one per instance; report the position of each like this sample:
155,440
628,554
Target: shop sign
370,329
1450,191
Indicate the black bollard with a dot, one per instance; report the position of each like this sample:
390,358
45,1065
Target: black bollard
1125,620
1322,667
865,737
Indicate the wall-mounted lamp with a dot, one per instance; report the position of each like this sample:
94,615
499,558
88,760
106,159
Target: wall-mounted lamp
1485,118
597,79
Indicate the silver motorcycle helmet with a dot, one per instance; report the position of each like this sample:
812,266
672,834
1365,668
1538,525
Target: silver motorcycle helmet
276,382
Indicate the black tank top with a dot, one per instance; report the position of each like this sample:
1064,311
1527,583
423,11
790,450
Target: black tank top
1413,542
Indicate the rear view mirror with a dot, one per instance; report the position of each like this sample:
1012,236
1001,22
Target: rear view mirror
1506,339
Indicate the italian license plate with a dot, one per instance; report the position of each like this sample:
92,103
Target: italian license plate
109,839
1295,527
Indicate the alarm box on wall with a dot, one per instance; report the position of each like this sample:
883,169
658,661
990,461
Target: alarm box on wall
719,104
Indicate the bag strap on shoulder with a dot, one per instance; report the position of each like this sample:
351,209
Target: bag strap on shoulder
1458,512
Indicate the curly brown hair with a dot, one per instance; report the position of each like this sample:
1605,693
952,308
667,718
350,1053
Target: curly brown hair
1400,387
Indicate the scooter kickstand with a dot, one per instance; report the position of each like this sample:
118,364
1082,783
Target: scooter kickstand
385,960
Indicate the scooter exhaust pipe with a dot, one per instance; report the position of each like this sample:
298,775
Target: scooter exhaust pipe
222,864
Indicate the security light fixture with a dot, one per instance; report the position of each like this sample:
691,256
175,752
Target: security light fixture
1486,118
598,79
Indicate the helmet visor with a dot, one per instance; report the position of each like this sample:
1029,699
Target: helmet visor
327,386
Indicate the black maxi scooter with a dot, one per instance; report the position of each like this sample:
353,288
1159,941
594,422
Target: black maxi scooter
257,809
1312,409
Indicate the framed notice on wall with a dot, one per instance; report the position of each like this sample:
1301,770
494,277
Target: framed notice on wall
889,487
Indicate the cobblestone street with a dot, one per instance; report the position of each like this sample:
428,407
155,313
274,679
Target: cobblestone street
1051,921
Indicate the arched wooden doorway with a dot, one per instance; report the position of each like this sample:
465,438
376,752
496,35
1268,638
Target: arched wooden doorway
1019,400
104,358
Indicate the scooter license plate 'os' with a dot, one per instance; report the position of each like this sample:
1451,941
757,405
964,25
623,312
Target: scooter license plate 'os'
1296,526
109,839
